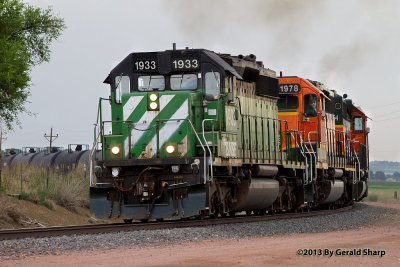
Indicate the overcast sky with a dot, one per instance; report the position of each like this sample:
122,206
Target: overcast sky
350,45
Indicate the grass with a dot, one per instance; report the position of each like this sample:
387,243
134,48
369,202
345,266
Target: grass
46,187
379,191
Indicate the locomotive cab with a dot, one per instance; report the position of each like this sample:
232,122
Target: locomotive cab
302,105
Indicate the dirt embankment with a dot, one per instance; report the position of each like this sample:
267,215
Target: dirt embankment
16,213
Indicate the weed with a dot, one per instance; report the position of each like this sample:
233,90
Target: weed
372,197
23,196
47,187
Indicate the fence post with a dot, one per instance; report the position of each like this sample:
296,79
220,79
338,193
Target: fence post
47,177
21,178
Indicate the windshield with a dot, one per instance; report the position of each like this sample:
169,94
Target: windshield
288,102
183,82
151,83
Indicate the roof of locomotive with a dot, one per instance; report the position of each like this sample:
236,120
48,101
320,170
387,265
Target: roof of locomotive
164,59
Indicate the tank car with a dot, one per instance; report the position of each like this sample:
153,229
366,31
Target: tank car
196,133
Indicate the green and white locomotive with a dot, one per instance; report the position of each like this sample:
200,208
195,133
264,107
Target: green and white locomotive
194,133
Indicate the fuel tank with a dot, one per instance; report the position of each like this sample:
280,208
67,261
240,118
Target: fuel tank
336,190
259,193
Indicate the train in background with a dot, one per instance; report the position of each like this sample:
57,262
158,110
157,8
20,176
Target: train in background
57,158
196,133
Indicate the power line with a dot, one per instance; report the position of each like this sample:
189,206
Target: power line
388,119
384,105
386,114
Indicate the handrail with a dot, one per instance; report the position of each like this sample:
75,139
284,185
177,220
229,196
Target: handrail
208,147
204,150
166,120
305,180
98,119
358,161
91,159
312,149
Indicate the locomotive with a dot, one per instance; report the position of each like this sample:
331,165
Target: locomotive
195,133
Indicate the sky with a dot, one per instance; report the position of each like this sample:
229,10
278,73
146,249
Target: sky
352,46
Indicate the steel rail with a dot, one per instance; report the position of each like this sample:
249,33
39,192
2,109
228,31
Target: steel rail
123,227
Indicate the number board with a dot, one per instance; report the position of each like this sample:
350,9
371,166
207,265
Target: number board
185,64
289,88
145,65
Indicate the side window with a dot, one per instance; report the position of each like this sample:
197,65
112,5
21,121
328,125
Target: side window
310,105
122,86
358,125
213,84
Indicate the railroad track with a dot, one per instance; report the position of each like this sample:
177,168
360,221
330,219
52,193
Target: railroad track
118,227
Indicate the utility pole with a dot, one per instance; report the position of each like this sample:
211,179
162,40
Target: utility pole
50,138
1,153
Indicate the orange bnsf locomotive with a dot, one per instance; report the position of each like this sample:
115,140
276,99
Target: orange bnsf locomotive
333,138
197,133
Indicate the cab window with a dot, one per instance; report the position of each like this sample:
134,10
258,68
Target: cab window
151,83
183,82
358,125
213,84
310,105
122,86
288,102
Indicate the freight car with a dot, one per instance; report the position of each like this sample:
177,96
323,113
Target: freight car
58,158
196,133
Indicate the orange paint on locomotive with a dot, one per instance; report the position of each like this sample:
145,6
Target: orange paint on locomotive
302,111
359,129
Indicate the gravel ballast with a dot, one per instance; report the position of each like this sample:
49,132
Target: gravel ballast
360,216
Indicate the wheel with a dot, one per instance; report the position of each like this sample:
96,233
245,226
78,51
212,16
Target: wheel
232,214
160,219
128,221
248,212
199,217
144,220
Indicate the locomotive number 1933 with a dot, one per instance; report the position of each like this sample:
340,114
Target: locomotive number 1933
145,65
185,64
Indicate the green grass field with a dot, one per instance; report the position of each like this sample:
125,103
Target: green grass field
379,191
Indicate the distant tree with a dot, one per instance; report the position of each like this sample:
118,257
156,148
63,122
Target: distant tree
26,33
379,175
396,175
371,175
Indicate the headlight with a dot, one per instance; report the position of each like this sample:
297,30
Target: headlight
153,105
153,97
115,150
170,149
115,171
